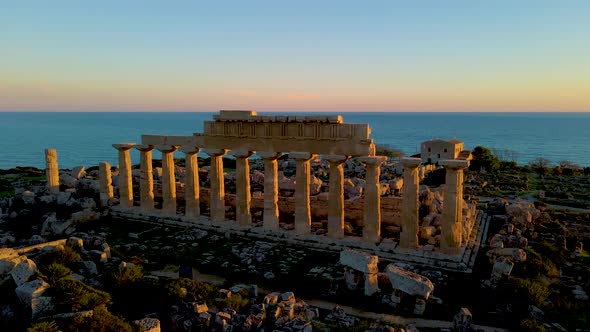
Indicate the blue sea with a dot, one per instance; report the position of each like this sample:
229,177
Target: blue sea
85,138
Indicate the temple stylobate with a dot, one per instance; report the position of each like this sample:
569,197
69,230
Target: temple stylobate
243,134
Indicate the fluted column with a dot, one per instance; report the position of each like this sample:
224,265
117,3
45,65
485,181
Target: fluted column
243,197
336,196
410,203
302,190
191,182
270,218
372,201
217,192
146,177
125,178
106,182
168,178
452,215
52,170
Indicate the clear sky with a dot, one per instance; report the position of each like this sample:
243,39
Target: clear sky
123,55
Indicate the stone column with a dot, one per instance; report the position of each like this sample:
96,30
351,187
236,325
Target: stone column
125,177
191,184
146,177
106,182
302,182
410,203
217,191
52,170
452,215
168,178
243,197
336,197
270,218
372,200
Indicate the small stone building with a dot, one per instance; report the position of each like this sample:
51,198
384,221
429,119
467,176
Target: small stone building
437,149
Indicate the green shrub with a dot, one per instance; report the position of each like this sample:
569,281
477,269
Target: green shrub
529,325
195,290
125,276
536,265
75,295
101,320
532,291
235,302
67,256
54,272
44,327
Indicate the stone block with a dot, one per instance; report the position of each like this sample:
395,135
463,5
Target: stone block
360,261
29,290
149,324
23,271
409,282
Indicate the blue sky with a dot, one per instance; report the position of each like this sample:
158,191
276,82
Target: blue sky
304,55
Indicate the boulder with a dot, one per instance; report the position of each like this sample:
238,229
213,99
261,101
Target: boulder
257,178
23,271
84,216
78,172
9,263
68,180
52,226
149,324
7,253
360,261
315,185
28,197
31,295
409,282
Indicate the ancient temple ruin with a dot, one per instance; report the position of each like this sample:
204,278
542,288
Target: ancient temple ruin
243,134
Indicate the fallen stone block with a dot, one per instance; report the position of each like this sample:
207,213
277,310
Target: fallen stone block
409,282
359,261
23,271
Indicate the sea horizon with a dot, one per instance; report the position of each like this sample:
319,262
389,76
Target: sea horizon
85,138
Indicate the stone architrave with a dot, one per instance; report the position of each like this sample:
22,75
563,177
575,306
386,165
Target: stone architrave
302,190
452,215
410,203
52,170
125,178
372,201
191,185
106,182
146,177
270,219
216,178
243,197
168,178
336,196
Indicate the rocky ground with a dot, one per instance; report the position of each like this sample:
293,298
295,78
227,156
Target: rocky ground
112,266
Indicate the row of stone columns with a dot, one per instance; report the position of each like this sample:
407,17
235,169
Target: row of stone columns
372,216
452,216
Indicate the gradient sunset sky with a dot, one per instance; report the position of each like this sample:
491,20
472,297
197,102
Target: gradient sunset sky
295,55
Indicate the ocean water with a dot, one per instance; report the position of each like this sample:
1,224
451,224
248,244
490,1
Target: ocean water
86,138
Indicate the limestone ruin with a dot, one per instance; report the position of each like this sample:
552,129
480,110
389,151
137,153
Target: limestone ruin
245,134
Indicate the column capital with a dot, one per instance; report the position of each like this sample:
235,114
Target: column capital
166,148
335,158
143,147
190,150
241,153
215,152
454,164
302,156
269,155
373,160
411,162
123,146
